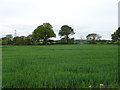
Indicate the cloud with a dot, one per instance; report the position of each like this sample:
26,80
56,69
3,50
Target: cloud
85,16
20,29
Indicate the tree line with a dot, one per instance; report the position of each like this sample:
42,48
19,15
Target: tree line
43,34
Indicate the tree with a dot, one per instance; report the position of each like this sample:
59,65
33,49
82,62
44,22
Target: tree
93,37
19,40
7,39
0,41
116,35
71,41
65,32
4,41
15,40
29,40
43,32
9,36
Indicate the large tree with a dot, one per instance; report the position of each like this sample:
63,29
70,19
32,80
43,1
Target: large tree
93,37
19,40
116,35
7,39
9,36
65,32
43,32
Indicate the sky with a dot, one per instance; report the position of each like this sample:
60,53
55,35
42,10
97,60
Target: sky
84,16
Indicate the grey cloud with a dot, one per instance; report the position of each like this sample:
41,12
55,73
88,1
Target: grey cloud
100,17
20,27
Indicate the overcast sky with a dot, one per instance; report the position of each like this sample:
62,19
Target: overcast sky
84,16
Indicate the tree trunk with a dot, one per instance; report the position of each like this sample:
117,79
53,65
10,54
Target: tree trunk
67,39
45,41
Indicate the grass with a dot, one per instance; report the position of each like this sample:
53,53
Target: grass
60,66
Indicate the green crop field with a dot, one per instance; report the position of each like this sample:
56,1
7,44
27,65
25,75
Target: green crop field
59,66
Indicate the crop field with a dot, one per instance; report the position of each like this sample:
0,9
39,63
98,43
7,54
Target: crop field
60,66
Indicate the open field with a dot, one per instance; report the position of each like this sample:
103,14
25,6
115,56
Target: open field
60,66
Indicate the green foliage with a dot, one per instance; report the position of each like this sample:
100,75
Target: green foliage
65,31
4,41
7,39
43,32
93,37
0,41
60,66
70,41
19,40
116,36
29,40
